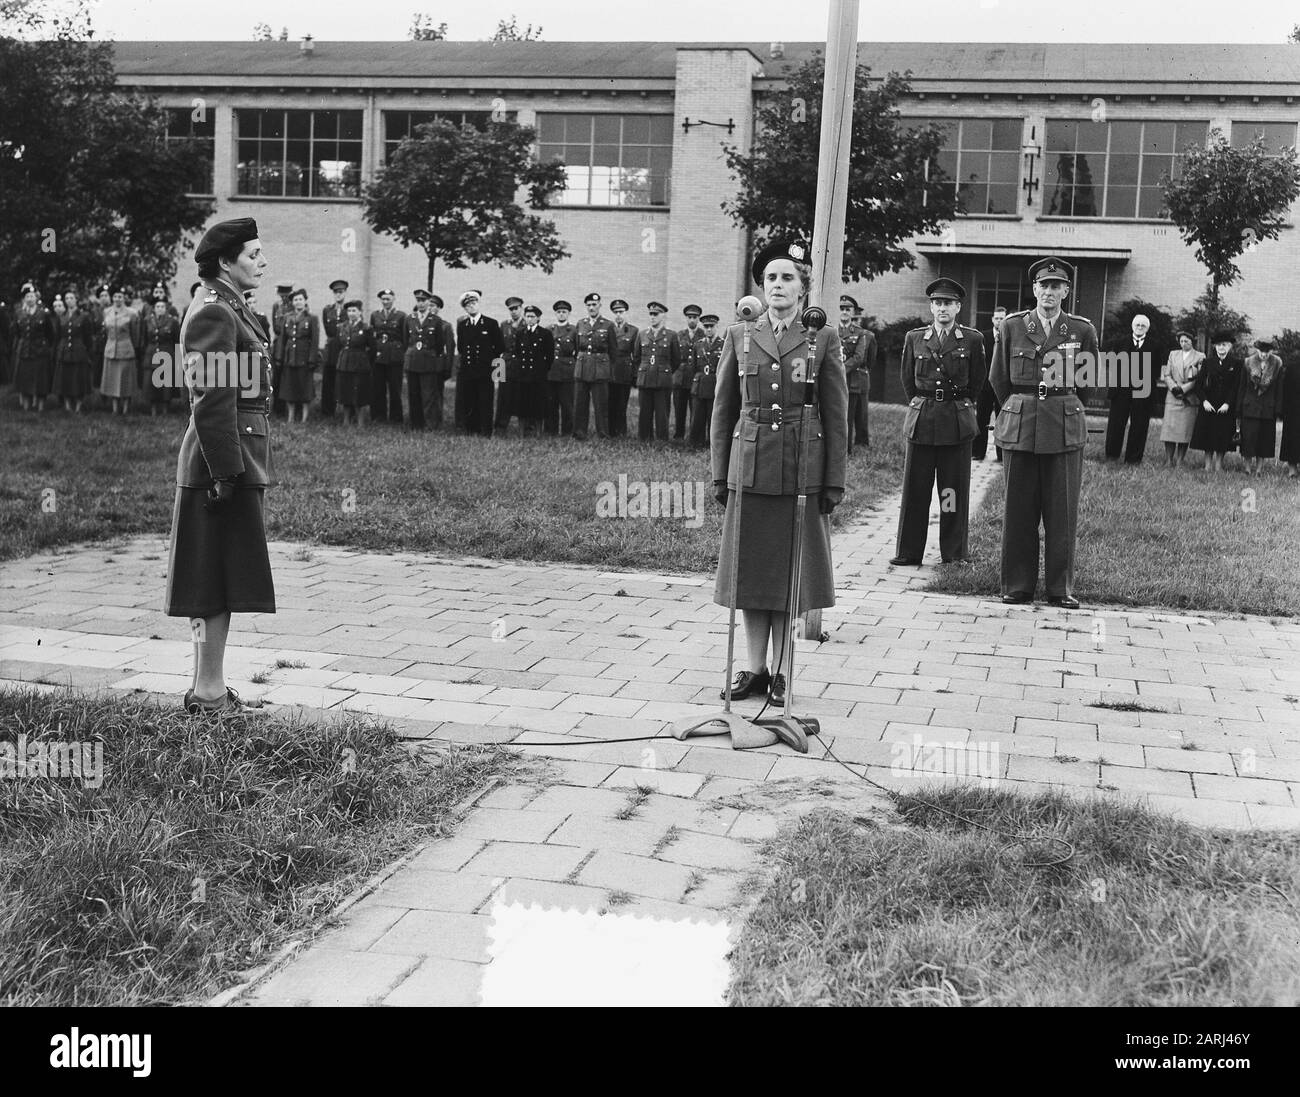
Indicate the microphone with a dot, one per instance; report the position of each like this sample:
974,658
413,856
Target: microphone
751,308
814,318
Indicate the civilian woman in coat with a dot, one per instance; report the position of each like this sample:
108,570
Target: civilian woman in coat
35,335
76,350
757,450
218,564
1291,418
1259,403
1216,388
297,354
122,343
1178,376
352,374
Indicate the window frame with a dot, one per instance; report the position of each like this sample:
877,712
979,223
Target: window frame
170,138
312,140
615,184
960,151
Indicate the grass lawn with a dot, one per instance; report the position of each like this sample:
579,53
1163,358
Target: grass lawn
1151,536
203,850
385,490
1150,912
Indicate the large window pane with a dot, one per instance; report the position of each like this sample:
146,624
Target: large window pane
627,158
1277,135
1006,133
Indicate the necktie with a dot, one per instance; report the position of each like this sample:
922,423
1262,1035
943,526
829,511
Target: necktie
778,329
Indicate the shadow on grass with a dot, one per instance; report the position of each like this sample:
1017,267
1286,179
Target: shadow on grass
205,847
1149,911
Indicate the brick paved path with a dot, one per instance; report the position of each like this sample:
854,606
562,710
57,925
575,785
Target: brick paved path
476,650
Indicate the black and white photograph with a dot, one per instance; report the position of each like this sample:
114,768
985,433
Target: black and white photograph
579,505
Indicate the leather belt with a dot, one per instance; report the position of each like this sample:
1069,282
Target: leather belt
776,415
260,407
942,394
1042,391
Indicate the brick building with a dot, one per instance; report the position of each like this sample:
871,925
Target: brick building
1057,148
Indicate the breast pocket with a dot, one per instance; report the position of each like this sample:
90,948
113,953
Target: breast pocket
1006,432
750,373
1076,426
1023,369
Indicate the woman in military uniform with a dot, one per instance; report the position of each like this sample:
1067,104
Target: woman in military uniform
219,563
164,336
757,436
352,374
76,346
1216,388
34,338
297,351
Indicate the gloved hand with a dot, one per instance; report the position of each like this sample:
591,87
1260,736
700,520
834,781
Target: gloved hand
720,492
829,499
1207,406
221,492
1223,409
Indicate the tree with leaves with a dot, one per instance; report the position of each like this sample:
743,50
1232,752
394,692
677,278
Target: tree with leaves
423,29
89,186
262,32
1204,317
1229,200
452,191
510,32
895,188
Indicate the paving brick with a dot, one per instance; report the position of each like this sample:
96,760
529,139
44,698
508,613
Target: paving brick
573,772
360,926
726,762
625,835
1190,761
755,825
439,982
1271,816
549,895
569,799
636,875
1202,812
435,933
1247,790
1023,768
431,889
531,860
331,977
447,854
510,797
709,851
500,825
670,782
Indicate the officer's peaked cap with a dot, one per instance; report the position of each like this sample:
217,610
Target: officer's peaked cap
1051,267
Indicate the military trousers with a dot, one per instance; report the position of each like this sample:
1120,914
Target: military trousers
474,402
986,407
1133,412
386,392
701,416
681,402
1041,488
619,395
859,432
585,393
559,408
506,397
652,421
328,399
424,394
923,466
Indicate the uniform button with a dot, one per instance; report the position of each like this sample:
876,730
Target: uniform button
775,385
248,430
776,365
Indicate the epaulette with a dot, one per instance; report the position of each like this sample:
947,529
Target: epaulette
1022,312
213,295
1076,316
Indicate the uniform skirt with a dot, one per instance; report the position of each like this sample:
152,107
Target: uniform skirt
119,378
765,552
218,562
1179,421
1258,437
352,390
72,379
32,374
298,385
1213,432
1291,416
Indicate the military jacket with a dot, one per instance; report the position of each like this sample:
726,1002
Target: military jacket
34,332
388,336
705,379
1026,356
480,345
657,356
77,340
566,351
623,370
430,344
596,349
535,354
686,343
942,381
332,317
223,346
355,347
509,337
757,424
298,344
859,355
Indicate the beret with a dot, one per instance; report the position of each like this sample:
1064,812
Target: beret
656,306
616,304
562,305
1051,267
590,298
796,250
946,287
692,310
223,236
511,302
353,304
28,287
339,283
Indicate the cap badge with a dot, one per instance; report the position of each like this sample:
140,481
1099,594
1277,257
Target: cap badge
796,252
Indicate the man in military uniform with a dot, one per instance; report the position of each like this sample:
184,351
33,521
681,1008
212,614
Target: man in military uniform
426,351
622,371
708,349
657,356
986,407
1042,432
388,330
942,365
480,343
686,340
280,308
332,315
596,350
506,394
859,346
535,353
559,381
